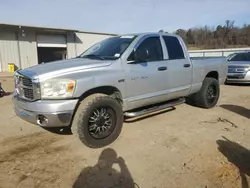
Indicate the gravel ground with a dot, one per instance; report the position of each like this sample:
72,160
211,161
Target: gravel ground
183,147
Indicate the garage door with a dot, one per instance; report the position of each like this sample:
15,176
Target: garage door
51,41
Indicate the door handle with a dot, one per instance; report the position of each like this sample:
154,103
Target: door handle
186,65
162,68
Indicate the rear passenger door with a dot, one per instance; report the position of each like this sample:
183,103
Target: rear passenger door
179,74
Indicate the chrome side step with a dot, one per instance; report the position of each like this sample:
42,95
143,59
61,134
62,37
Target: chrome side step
155,108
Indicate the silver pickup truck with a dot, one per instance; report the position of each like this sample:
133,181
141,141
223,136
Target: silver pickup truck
122,76
238,68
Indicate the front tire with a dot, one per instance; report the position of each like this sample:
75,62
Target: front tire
208,95
98,120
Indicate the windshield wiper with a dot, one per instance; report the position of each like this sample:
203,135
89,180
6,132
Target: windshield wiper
93,55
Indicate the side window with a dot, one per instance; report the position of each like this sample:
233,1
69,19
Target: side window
174,48
153,47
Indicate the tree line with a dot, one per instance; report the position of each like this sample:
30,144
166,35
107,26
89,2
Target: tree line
222,36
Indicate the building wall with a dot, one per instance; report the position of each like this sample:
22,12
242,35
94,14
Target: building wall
85,40
8,50
21,48
28,49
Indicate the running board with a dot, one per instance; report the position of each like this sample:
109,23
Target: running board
155,108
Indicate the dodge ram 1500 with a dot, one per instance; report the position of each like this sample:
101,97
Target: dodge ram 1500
122,76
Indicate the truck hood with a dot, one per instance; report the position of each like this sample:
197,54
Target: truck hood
241,63
62,67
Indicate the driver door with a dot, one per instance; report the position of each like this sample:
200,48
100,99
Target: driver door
146,80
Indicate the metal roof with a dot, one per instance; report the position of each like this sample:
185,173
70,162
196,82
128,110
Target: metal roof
52,28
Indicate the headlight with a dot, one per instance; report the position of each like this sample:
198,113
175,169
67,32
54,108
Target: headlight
57,88
247,69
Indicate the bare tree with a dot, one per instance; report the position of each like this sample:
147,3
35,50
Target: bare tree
221,36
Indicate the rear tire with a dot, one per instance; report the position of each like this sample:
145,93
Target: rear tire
208,95
98,120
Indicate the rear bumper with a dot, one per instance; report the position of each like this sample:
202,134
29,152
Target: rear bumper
49,113
238,77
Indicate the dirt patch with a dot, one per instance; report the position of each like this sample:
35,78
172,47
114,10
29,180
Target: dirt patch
225,175
234,167
29,146
34,160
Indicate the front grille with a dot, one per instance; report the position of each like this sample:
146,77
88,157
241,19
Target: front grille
28,93
237,69
26,81
25,87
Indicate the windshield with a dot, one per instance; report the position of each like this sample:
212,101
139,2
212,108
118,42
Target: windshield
111,48
240,57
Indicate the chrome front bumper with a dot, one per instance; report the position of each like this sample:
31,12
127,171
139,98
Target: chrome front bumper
238,77
47,113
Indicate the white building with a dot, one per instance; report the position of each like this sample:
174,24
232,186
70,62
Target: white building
25,46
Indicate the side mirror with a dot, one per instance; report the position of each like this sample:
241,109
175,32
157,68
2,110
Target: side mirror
141,55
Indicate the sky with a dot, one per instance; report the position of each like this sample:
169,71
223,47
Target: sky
124,16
